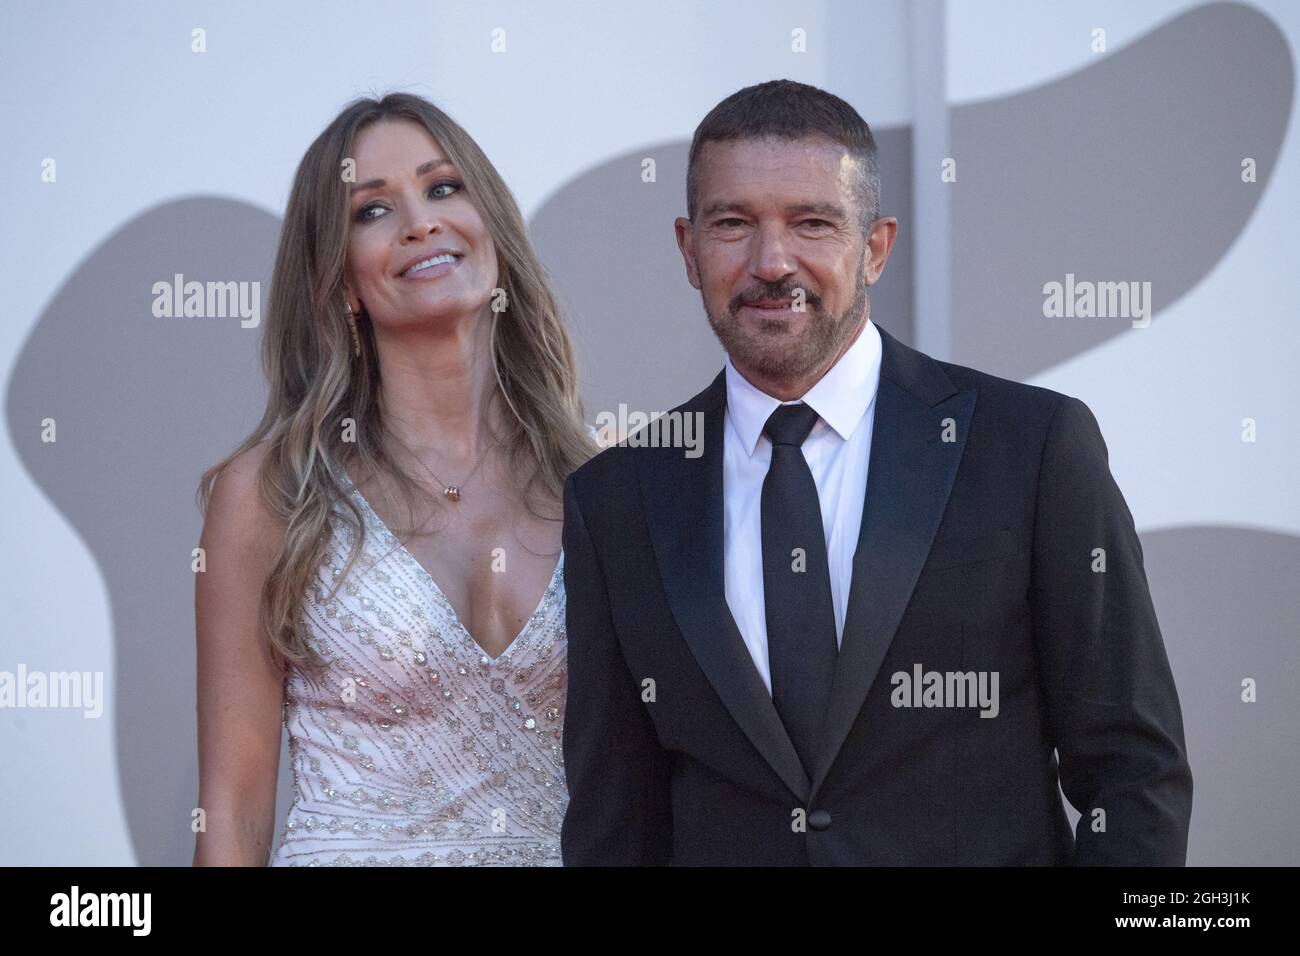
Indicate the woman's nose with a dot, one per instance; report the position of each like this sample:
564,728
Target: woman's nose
421,219
421,224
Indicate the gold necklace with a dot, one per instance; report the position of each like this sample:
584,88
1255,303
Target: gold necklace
452,492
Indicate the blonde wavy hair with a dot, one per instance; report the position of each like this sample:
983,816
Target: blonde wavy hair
315,383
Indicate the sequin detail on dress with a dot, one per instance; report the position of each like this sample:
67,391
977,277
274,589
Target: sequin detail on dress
414,747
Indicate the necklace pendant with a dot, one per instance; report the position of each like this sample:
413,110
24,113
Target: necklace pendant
452,493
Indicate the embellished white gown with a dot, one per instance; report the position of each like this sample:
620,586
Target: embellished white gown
414,747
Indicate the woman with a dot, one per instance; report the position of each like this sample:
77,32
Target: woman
384,571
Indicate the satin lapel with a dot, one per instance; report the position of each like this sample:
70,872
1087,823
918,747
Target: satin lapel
909,478
683,505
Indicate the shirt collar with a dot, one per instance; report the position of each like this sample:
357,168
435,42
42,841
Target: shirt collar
841,397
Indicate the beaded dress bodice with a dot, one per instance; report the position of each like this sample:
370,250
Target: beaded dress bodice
414,747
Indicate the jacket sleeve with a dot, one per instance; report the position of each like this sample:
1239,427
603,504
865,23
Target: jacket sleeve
1108,691
619,810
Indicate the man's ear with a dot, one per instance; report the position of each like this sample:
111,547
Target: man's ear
879,243
686,243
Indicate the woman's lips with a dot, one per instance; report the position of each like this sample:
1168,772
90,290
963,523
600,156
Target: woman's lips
435,272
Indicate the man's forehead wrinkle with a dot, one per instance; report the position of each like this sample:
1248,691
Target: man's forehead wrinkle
805,166
805,204
747,183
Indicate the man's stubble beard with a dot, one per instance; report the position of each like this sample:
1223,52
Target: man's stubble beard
785,357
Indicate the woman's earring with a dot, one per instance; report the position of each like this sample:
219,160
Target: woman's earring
352,324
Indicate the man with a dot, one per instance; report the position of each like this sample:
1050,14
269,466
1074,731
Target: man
863,624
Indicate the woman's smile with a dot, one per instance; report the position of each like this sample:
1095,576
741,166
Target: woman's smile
432,267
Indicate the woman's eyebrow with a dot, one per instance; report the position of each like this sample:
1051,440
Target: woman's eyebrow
420,171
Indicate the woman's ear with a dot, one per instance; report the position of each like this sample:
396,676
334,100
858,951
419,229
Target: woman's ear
351,299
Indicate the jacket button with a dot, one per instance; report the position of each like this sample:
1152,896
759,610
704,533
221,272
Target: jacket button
819,819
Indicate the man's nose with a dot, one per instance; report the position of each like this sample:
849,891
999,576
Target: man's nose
771,260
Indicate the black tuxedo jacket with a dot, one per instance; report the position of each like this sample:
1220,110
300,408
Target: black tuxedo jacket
986,502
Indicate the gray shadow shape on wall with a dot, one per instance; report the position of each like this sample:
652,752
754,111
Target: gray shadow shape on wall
1228,605
638,325
1129,169
142,406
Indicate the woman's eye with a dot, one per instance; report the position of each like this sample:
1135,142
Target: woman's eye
363,214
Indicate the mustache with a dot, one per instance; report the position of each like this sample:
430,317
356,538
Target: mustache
775,290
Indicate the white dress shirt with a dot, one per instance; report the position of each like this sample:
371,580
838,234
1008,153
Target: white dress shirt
837,451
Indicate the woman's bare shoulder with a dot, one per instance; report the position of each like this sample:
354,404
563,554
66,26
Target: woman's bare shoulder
237,512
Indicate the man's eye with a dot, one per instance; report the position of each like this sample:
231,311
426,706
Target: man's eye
729,223
816,223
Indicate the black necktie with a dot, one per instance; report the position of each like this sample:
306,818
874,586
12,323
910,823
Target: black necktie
801,642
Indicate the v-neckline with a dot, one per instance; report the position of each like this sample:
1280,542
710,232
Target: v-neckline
442,596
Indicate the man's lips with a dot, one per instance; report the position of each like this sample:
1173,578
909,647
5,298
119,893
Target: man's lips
769,306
